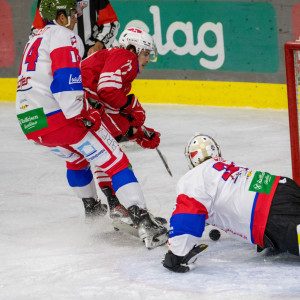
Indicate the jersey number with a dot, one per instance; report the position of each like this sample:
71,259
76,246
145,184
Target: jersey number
32,55
230,169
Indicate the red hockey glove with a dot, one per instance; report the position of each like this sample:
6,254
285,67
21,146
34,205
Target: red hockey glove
90,117
134,111
149,139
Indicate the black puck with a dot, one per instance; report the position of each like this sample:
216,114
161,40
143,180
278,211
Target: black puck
214,234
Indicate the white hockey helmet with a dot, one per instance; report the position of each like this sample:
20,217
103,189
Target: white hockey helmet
140,39
199,148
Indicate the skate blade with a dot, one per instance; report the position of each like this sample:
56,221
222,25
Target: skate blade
123,225
156,241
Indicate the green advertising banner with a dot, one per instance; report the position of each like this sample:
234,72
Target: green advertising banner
207,35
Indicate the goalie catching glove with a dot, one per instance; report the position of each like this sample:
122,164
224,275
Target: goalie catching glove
182,264
90,117
146,137
133,111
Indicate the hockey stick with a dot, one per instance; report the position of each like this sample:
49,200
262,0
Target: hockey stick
158,151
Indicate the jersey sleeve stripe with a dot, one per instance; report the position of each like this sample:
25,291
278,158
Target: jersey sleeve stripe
188,205
260,213
109,85
187,224
64,57
187,213
67,79
116,76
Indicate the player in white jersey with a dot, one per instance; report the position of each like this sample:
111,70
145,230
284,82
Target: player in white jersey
52,111
97,24
252,206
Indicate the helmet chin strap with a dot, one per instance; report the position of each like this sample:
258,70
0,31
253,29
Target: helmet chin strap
69,22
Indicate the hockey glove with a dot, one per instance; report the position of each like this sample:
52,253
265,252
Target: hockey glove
133,111
182,264
90,117
146,137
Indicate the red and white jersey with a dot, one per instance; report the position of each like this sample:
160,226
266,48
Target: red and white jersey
234,199
108,74
49,83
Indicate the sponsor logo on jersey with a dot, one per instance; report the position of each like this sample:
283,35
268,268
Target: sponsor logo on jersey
87,149
74,80
42,31
23,104
262,182
63,155
23,81
33,120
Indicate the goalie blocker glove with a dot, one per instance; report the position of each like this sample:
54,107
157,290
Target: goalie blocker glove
133,111
182,264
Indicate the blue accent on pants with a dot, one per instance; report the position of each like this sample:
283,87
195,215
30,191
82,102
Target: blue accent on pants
122,178
78,178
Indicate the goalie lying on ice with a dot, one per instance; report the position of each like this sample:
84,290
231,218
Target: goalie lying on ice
252,206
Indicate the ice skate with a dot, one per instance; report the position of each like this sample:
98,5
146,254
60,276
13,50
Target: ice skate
117,210
94,208
159,220
151,232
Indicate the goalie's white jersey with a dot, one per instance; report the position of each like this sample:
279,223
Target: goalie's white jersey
49,83
220,193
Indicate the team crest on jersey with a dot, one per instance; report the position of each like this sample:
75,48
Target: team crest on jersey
73,40
83,4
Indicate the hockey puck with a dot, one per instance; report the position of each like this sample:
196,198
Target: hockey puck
214,234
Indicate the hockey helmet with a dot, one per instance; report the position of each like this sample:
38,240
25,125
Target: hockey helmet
140,39
200,148
49,8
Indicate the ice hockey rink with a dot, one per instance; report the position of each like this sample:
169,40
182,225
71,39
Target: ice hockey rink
48,251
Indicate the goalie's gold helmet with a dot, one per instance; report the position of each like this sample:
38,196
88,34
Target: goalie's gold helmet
200,148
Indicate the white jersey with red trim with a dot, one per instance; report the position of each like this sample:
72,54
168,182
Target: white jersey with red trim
49,82
235,199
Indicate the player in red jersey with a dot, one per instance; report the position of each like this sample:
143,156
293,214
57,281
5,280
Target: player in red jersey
107,77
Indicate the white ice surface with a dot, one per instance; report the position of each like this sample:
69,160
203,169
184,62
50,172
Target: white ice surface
47,251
